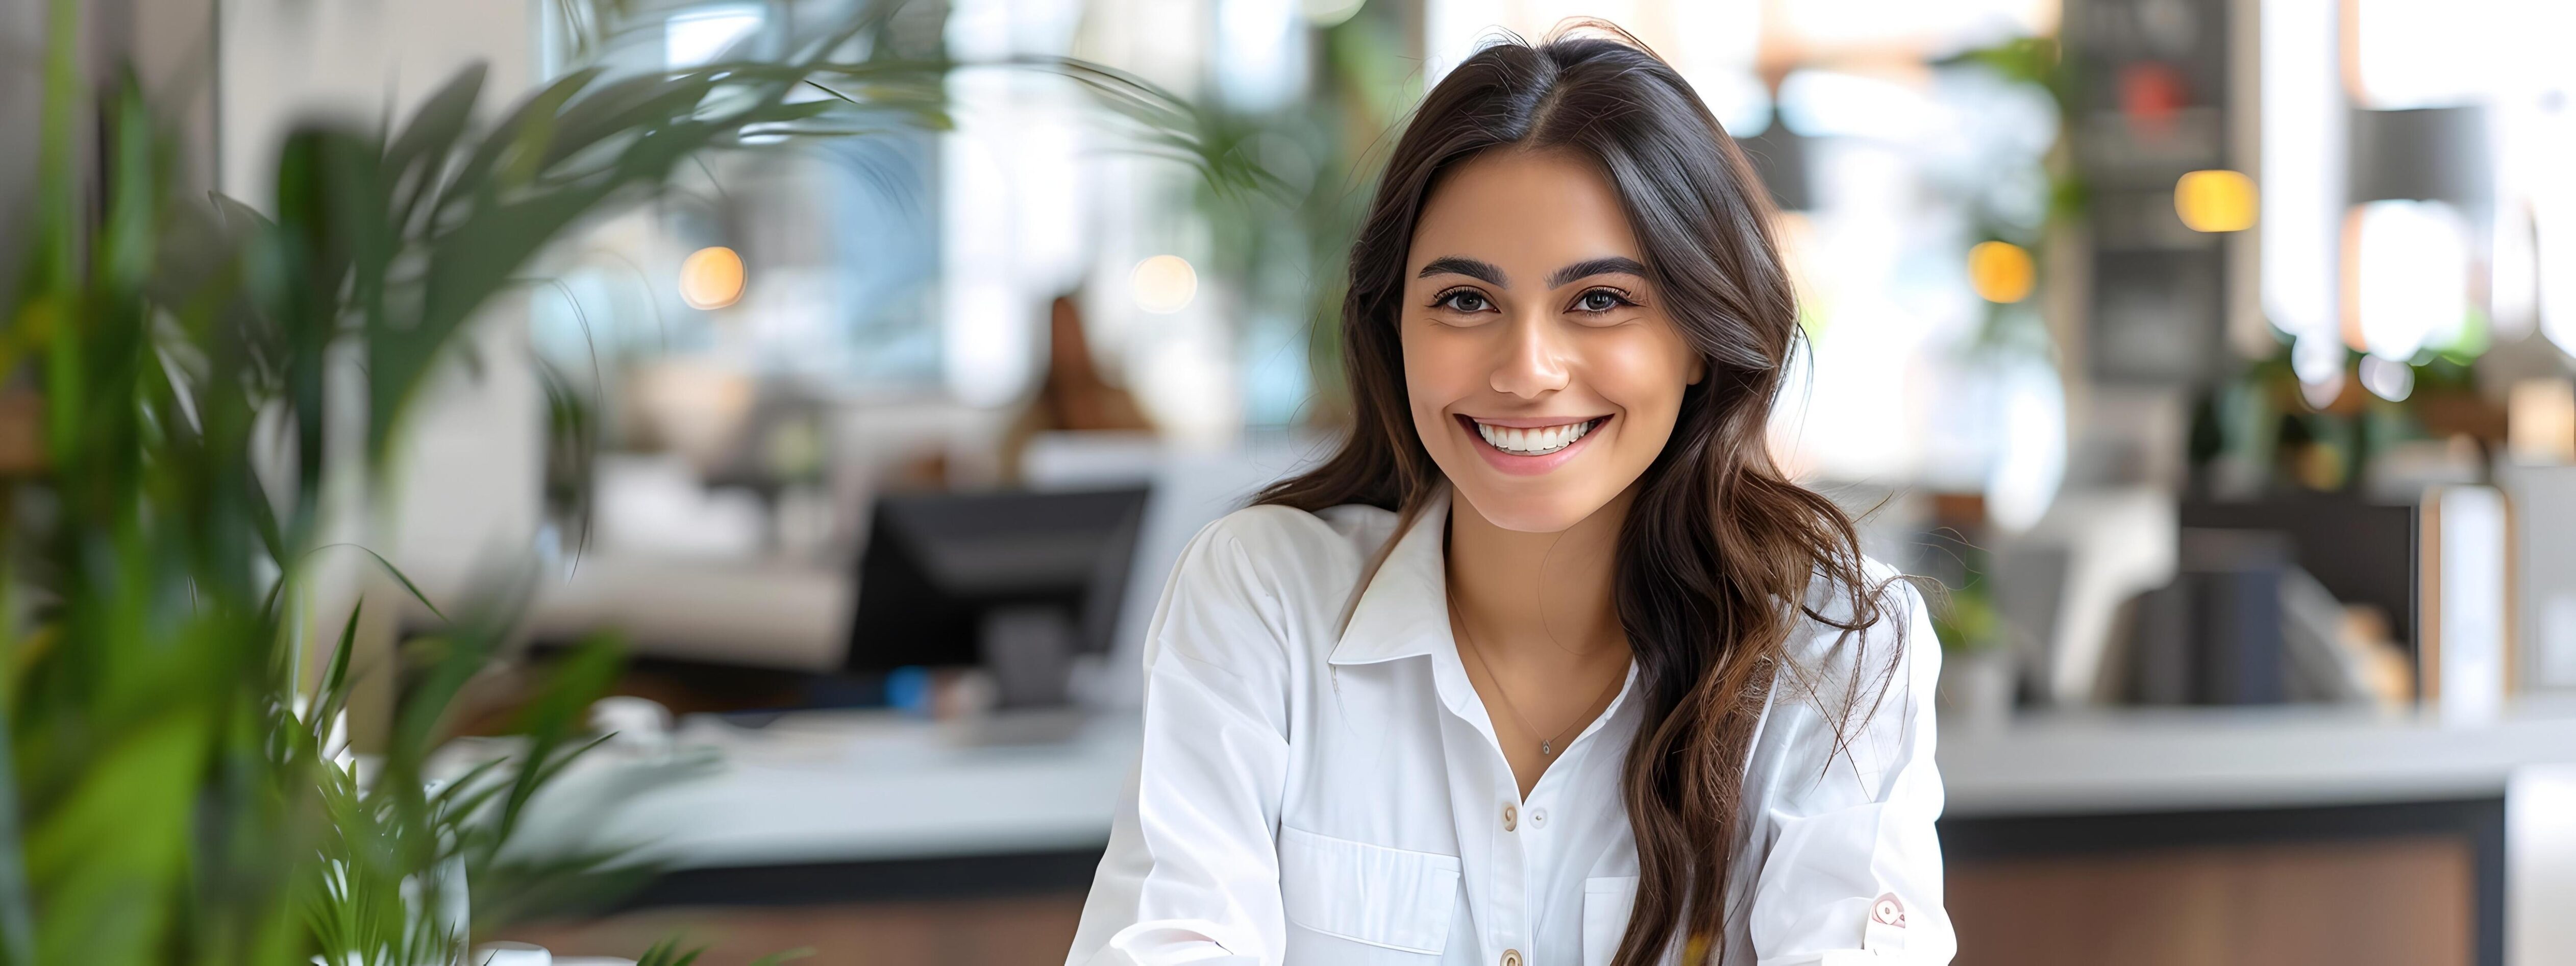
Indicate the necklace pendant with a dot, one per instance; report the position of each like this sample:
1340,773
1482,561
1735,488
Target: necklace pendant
1546,748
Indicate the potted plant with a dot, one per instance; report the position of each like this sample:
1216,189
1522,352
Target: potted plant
182,383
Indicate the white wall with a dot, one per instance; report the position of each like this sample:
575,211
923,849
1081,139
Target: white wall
468,476
283,60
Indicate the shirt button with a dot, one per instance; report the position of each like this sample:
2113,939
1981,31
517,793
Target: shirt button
1511,957
1511,818
1538,818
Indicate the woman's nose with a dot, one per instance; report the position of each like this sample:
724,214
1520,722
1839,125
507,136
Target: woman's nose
1532,364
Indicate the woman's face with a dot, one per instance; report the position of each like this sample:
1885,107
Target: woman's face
1543,371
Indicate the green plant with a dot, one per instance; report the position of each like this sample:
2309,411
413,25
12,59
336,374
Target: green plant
1968,622
1965,617
2261,431
2037,64
1280,247
196,377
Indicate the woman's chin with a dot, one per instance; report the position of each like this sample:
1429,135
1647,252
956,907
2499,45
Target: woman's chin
1527,506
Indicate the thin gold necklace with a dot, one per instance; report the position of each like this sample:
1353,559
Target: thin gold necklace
1546,746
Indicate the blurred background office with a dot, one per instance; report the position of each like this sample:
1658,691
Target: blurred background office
2217,354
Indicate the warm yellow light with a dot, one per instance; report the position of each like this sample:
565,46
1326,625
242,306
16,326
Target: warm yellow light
2001,271
2216,200
711,278
1164,283
2540,422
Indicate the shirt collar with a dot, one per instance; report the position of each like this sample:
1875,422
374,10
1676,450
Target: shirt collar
1404,612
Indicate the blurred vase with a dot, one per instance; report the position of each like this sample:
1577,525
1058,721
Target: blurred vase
1976,691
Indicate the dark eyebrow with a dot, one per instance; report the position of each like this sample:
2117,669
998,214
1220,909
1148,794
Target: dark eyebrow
1613,265
1454,265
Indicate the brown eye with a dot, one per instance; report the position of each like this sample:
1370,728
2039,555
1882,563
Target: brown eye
1598,300
1465,300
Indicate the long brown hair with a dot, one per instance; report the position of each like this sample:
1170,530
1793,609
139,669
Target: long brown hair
1721,550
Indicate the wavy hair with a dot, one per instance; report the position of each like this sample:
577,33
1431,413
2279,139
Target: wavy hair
1721,552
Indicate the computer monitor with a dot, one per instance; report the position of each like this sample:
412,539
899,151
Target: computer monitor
1017,581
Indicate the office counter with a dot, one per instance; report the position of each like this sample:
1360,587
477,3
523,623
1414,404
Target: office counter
852,786
839,787
2300,821
2258,757
864,806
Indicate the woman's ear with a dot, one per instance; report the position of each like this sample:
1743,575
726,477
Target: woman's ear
1698,370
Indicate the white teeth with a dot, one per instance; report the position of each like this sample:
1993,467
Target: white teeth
1535,442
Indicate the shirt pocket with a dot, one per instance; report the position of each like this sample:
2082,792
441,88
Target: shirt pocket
1395,899
1607,901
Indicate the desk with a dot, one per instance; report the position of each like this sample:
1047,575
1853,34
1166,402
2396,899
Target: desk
845,787
2214,798
851,806
2259,757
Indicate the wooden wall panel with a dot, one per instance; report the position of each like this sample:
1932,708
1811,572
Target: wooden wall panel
2399,902
1022,931
2402,902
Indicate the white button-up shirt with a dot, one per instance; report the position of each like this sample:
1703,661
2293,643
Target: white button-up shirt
1312,793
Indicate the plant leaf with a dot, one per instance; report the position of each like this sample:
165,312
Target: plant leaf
421,153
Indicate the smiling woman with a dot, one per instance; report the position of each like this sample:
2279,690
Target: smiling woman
1529,330
1548,663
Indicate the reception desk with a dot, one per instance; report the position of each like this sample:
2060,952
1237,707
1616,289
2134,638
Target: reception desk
2166,834
2262,835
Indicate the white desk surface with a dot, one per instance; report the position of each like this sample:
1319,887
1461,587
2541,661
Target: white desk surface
860,786
2196,759
843,787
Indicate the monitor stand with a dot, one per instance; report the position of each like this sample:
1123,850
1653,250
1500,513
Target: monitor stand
1006,727
1028,651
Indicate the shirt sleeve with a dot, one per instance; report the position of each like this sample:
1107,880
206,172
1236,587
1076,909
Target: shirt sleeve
1192,870
1853,872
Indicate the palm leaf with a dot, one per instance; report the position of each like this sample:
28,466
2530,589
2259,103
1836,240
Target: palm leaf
420,155
161,798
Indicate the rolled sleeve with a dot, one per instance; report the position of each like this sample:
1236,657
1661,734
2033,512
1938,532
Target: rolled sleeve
1853,873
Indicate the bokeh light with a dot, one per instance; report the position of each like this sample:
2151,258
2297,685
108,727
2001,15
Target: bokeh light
2317,359
1164,284
2215,201
2392,381
711,278
2540,422
2001,271
2408,287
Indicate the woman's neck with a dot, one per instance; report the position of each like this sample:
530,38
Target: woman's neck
1543,597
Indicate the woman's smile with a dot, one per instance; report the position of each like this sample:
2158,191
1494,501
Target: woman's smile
1528,446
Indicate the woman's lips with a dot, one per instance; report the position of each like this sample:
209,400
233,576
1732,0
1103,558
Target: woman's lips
1525,464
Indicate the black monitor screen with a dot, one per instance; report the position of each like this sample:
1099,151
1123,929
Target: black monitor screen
937,564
